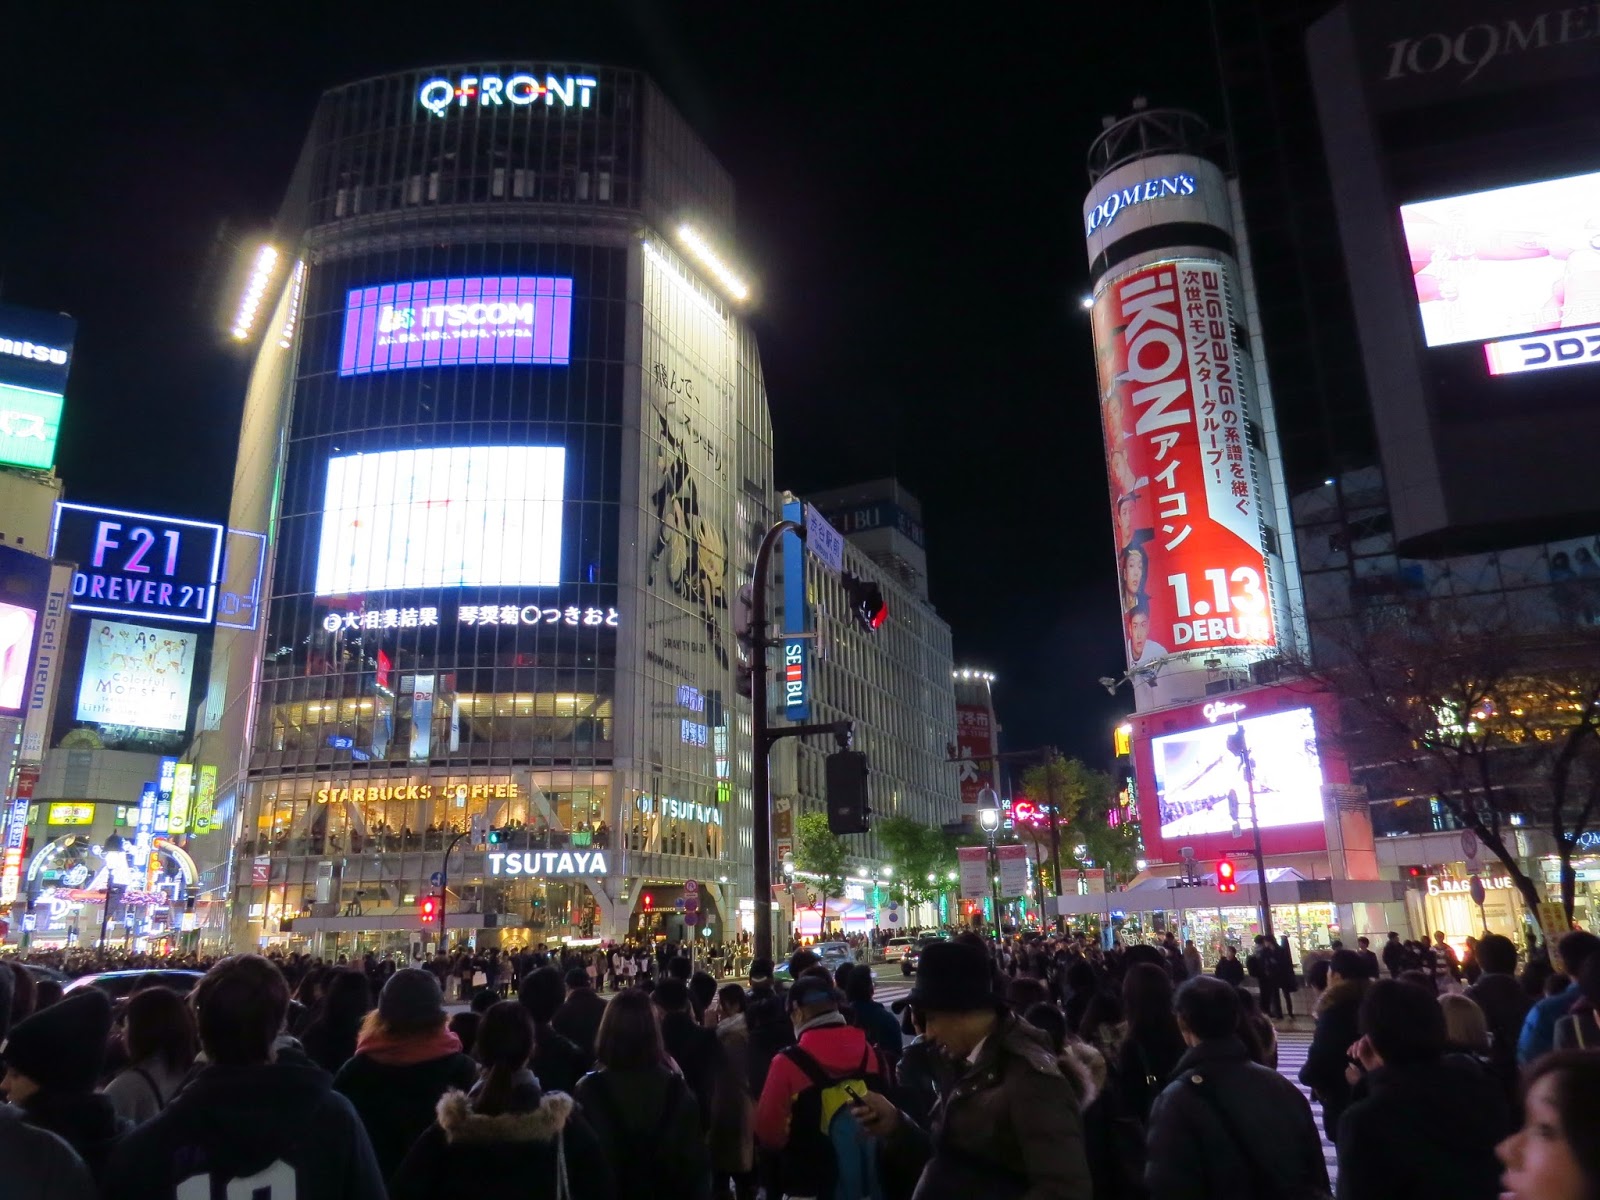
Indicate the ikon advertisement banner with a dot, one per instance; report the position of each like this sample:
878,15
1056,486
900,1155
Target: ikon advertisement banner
1013,870
974,864
1191,570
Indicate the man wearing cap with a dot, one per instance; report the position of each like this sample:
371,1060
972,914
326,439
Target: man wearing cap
1009,1126
405,1060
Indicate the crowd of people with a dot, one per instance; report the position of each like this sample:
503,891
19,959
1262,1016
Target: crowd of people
1043,1067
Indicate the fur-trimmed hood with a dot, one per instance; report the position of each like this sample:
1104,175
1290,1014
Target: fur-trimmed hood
1085,1069
538,1124
1346,991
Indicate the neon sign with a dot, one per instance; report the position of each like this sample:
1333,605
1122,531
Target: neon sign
1109,209
138,564
490,91
548,862
1220,711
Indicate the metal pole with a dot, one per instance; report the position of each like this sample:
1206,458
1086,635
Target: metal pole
994,884
1055,838
105,917
1237,743
760,772
444,893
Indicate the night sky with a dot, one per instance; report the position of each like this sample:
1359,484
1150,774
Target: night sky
909,196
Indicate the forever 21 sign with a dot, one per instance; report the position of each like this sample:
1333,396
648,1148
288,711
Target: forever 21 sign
139,565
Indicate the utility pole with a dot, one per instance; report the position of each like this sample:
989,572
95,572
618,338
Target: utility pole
1237,744
444,891
1055,834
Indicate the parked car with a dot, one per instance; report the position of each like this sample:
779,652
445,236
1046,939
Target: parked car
897,948
118,984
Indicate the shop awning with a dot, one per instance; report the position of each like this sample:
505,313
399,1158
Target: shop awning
1284,886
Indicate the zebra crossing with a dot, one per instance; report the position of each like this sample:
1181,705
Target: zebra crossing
1293,1045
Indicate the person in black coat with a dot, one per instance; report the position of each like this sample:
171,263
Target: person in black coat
1229,969
405,1060
1260,967
1226,1125
578,1018
558,1061
692,1046
507,1136
1504,1001
1427,1122
1153,1044
329,1039
1338,1027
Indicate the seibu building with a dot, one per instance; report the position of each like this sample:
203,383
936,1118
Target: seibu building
507,439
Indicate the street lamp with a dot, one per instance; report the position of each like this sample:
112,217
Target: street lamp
989,822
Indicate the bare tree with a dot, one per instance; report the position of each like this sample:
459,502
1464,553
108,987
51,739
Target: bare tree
1499,725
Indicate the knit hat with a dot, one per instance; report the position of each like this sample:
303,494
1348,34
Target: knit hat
412,999
63,1047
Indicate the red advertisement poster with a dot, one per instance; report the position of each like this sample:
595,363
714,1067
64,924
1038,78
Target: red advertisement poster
974,739
1190,568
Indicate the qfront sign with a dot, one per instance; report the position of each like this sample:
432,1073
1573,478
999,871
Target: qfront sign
1118,202
522,90
549,863
139,565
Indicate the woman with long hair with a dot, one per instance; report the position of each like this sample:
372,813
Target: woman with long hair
507,1135
636,1098
330,1038
1152,1044
1556,1153
1134,575
162,1044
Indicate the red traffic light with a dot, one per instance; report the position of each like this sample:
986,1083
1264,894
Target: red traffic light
428,909
649,901
1225,878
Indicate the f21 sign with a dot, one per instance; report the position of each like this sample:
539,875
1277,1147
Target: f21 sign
138,564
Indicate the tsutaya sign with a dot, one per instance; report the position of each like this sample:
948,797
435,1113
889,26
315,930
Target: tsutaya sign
548,862
485,91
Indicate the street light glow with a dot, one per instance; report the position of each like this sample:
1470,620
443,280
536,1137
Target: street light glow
260,275
707,258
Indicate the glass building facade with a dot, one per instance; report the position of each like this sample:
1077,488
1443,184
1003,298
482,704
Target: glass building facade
509,446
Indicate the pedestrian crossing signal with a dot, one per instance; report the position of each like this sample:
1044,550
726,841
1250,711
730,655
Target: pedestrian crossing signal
428,909
1225,880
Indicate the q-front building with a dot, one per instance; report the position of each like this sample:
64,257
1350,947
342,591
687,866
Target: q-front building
507,443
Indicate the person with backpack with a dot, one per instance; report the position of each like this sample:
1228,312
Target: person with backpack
1009,1128
806,1112
647,1119
1225,1125
161,1042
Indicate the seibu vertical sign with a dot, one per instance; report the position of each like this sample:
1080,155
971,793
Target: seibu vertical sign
1191,570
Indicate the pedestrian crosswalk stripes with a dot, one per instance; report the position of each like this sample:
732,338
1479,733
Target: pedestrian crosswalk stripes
1293,1045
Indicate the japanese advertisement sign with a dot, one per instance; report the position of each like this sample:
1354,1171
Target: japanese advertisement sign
136,676
457,322
1191,572
30,422
974,739
16,834
974,864
24,585
1014,870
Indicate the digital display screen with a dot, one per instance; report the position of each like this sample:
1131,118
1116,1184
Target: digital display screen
138,564
36,348
1512,260
457,322
30,422
1200,785
17,625
457,516
136,676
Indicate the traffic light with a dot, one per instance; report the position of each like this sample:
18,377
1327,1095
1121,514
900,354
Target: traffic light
648,901
428,909
866,602
498,837
846,780
1225,880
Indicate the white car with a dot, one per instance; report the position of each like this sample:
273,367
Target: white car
898,948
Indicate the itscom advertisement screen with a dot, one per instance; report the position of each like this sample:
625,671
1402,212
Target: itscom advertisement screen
457,322
455,516
1191,570
1507,261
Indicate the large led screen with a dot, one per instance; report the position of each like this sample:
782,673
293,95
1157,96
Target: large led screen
1512,260
138,676
453,516
16,648
30,421
457,322
1200,785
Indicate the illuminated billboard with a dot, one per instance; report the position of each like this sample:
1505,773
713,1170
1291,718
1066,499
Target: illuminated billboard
136,676
24,583
1512,260
455,516
138,564
1191,569
457,322
30,422
1200,784
36,348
